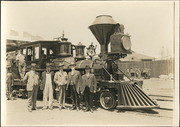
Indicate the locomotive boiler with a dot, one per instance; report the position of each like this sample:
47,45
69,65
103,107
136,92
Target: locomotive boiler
113,90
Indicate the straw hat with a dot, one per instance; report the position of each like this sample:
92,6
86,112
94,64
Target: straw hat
87,67
48,65
60,64
33,64
72,64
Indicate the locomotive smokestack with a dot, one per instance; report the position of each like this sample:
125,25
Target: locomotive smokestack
102,28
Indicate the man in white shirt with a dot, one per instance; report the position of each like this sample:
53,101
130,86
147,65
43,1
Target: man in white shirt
60,79
20,61
47,86
32,79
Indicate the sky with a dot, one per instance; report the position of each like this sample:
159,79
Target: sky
150,24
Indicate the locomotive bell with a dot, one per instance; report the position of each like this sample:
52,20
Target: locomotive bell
80,51
102,28
65,47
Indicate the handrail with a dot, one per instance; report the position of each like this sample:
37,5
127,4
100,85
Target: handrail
108,73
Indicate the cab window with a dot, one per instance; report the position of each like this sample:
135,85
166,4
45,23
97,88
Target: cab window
44,53
24,51
29,54
36,52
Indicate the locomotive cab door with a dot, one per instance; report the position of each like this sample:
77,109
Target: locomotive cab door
47,54
32,54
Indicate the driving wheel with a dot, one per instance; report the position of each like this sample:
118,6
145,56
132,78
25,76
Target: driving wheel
107,100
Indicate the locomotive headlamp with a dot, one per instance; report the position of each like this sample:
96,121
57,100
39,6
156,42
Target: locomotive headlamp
126,42
120,43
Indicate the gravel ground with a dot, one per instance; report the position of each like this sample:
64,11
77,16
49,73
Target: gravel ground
160,89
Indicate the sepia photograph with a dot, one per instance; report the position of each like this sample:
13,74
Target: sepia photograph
90,63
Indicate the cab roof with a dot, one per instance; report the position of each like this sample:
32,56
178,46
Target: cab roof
39,42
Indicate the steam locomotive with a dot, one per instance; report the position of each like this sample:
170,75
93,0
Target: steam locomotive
113,90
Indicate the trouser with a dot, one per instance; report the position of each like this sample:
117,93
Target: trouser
62,91
32,97
74,96
21,69
56,96
88,96
48,93
8,91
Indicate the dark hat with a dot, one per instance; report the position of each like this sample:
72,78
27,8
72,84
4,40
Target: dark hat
60,64
87,67
33,64
48,65
8,66
72,63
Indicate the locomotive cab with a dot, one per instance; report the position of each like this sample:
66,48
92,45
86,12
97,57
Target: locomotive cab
39,52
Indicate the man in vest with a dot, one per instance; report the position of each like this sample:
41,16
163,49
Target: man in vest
32,79
60,79
89,87
74,82
47,85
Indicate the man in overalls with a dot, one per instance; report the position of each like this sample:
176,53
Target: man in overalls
47,85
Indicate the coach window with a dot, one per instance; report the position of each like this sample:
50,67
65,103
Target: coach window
29,54
36,52
24,51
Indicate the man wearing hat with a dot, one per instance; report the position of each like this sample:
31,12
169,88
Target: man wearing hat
47,85
9,82
89,87
60,79
74,82
32,79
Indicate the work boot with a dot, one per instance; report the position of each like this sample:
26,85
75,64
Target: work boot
77,109
34,108
44,108
86,110
73,107
63,107
60,108
91,110
51,108
29,109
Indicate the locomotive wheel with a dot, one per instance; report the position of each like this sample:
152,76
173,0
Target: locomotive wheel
107,100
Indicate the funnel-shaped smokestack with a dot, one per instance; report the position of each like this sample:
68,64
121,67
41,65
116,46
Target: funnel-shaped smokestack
102,28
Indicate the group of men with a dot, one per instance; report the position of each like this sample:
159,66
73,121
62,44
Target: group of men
134,73
78,85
